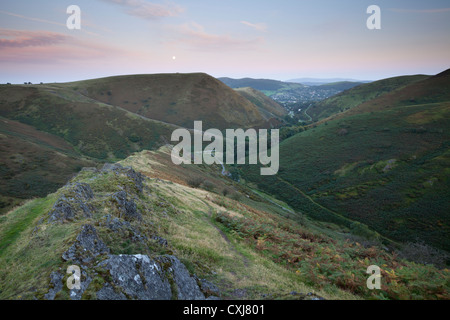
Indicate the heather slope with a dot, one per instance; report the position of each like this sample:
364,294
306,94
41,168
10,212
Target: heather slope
179,99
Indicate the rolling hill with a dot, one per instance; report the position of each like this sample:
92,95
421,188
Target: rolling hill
50,131
178,99
384,162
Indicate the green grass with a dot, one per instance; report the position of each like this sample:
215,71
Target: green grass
29,251
19,220
358,95
386,169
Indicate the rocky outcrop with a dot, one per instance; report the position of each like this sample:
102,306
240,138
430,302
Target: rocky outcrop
56,285
86,247
186,286
141,277
123,228
127,208
136,178
136,277
108,276
72,203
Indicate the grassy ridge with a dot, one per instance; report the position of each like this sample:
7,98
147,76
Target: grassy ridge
247,247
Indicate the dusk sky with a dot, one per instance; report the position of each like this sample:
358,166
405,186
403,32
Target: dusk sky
281,39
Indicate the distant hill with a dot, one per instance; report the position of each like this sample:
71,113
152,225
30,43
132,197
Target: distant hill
383,162
175,98
28,157
259,84
319,81
341,86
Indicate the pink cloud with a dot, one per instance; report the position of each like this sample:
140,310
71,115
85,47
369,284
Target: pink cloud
19,39
18,46
195,36
257,26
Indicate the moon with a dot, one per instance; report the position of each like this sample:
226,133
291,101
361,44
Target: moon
174,58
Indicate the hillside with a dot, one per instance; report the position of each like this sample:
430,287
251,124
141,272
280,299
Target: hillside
358,95
140,229
48,134
28,157
268,107
383,162
178,99
50,131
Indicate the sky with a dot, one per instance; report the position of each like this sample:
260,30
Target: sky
281,39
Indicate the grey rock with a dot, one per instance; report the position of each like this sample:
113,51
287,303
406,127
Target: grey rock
137,277
108,293
208,288
82,191
187,288
87,246
163,242
313,296
121,226
76,294
56,281
66,210
135,177
72,203
111,167
127,208
143,278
